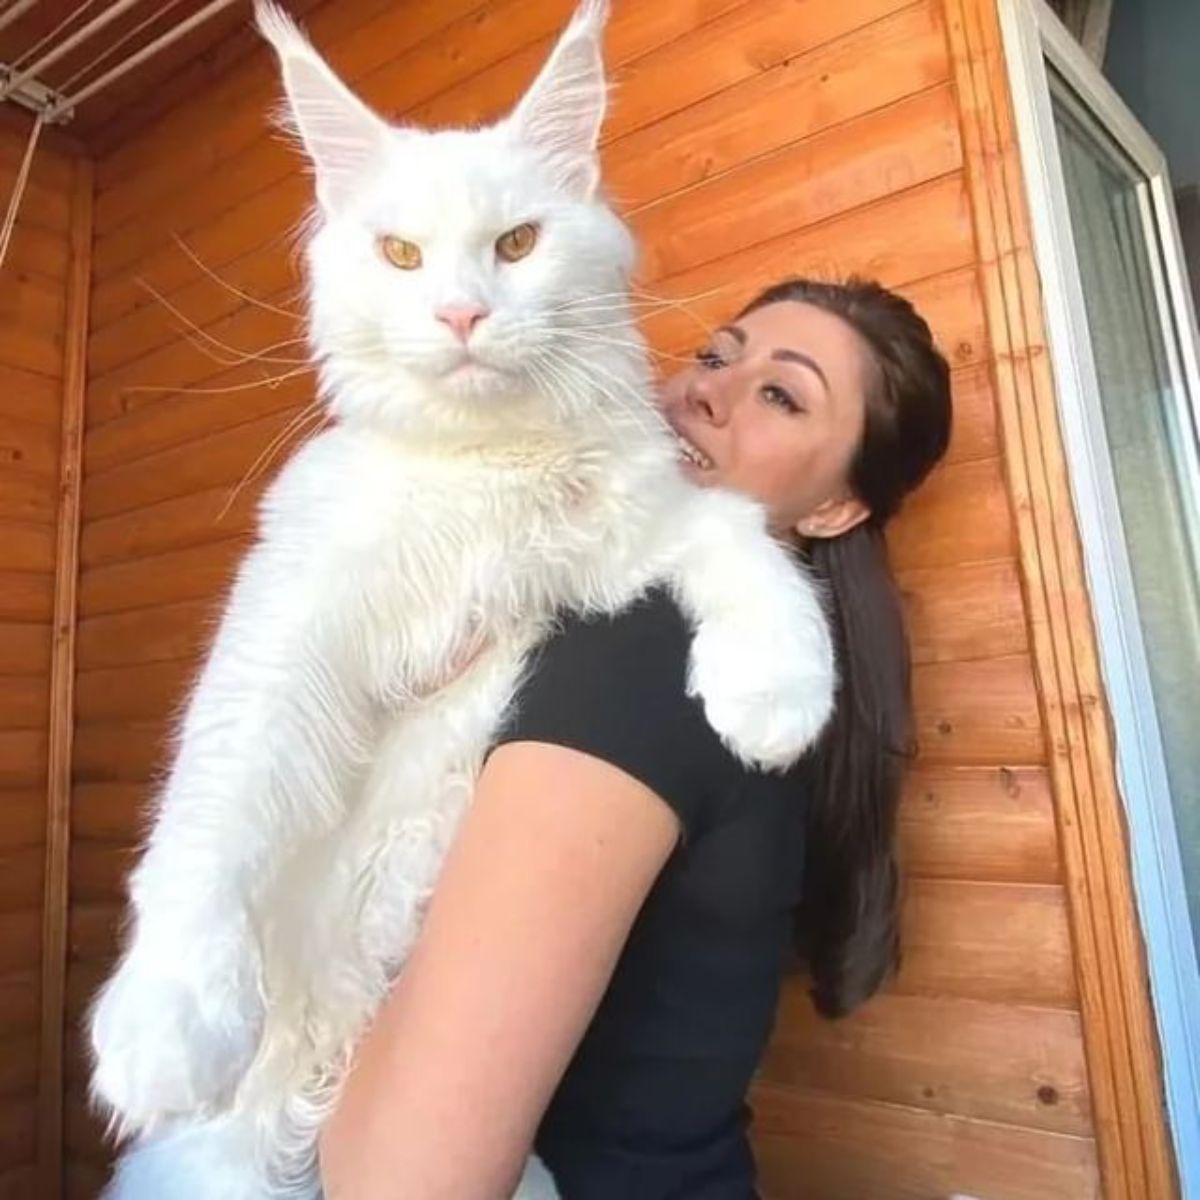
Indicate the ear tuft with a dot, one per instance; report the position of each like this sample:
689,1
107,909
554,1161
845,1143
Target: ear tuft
342,136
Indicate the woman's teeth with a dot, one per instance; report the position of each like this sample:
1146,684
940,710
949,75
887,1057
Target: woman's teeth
695,456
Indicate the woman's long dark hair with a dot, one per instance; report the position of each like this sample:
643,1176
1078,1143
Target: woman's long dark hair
847,925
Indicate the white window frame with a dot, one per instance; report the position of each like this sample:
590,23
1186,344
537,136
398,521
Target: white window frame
1033,36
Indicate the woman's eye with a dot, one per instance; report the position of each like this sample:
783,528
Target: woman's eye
709,359
780,399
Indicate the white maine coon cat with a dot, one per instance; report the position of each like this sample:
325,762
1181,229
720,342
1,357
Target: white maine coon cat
495,459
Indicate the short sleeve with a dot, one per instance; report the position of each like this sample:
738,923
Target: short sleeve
615,687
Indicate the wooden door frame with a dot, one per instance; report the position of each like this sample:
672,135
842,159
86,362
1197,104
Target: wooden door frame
1120,1036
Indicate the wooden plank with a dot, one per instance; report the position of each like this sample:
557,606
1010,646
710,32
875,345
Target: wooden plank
25,701
270,277
974,433
32,348
176,392
18,1133
806,93
980,823
119,751
27,397
205,517
150,691
812,1145
99,871
110,812
146,635
1122,1043
18,1068
959,515
964,611
23,758
938,240
862,161
26,595
20,1010
266,218
84,980
20,940
225,457
18,1183
26,497
22,876
29,446
92,931
62,682
189,574
37,252
999,1062
22,819
29,302
979,713
1006,943
24,648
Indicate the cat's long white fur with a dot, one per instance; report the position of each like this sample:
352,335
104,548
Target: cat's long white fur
323,761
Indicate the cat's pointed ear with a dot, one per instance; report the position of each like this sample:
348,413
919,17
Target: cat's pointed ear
342,136
561,114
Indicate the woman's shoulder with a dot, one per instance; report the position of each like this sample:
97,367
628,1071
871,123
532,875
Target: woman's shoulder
615,686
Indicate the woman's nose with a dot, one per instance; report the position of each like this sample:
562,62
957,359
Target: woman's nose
707,400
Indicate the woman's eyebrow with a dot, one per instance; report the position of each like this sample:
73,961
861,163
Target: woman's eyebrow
805,360
782,355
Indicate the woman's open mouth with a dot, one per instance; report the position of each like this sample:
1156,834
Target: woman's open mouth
691,453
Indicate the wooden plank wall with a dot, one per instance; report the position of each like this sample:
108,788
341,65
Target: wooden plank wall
750,138
33,292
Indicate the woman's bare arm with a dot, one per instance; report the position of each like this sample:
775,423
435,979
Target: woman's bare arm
538,893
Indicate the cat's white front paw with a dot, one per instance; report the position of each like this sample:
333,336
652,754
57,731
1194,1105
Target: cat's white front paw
172,1033
767,688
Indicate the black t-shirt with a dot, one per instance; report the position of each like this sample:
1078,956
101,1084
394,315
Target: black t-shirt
652,1106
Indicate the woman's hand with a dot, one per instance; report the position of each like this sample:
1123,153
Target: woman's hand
536,898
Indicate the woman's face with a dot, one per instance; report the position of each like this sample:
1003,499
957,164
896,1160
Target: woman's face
773,408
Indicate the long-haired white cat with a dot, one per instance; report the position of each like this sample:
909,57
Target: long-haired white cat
494,459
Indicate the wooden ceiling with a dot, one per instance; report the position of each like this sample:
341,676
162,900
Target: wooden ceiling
177,72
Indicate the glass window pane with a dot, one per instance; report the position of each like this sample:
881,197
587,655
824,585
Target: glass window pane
1144,431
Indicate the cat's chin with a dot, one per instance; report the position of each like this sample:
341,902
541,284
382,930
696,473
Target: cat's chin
474,380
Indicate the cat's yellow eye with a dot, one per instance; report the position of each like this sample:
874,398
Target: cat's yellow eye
517,242
400,253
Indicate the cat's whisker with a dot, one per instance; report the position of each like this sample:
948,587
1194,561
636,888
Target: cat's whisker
272,381
682,304
208,344
632,401
233,289
306,416
588,335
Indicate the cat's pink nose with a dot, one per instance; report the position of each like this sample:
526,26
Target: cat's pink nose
462,318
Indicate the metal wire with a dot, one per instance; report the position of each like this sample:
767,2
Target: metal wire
108,51
46,39
14,201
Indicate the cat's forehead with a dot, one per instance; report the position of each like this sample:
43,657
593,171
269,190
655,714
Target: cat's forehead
455,179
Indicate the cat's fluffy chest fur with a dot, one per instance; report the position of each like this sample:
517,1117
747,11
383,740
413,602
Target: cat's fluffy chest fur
370,530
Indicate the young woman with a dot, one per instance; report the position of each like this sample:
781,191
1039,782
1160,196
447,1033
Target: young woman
601,962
